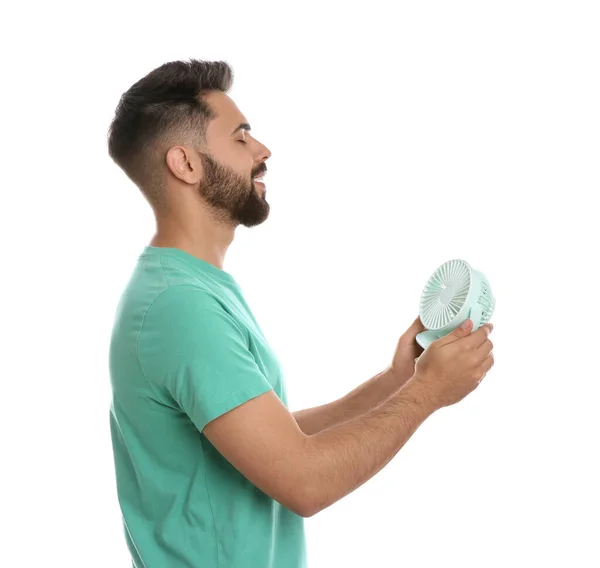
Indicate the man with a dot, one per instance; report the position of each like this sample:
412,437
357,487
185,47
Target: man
212,468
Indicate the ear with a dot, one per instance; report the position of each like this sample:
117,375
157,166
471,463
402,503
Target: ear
184,164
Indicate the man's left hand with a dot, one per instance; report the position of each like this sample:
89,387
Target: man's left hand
408,350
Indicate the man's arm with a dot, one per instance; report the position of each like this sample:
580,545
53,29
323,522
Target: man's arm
344,457
304,473
361,400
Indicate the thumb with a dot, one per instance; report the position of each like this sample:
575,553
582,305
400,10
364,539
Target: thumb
417,326
461,331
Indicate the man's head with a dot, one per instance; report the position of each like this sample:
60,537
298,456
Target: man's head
177,134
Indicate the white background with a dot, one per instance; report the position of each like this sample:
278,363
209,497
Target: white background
403,135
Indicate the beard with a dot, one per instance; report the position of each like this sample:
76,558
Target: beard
234,199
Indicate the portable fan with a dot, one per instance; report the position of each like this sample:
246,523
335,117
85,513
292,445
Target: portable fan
455,292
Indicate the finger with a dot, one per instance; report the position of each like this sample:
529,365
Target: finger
477,338
485,348
418,325
487,364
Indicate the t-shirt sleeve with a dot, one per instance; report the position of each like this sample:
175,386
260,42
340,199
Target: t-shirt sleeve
194,348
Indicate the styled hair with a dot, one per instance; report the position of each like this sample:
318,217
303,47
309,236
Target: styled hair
163,109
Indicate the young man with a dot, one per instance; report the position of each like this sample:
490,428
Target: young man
212,469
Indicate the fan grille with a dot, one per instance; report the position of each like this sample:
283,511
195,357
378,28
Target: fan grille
486,300
445,294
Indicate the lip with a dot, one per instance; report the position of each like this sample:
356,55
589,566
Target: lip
260,184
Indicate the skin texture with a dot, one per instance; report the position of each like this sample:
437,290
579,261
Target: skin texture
210,190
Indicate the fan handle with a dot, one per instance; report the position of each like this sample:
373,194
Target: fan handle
475,315
426,337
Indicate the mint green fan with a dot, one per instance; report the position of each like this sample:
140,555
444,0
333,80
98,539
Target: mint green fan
454,292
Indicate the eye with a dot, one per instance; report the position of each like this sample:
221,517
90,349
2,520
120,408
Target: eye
242,141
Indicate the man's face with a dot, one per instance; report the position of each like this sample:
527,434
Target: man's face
235,159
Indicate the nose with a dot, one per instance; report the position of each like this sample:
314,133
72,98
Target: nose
264,152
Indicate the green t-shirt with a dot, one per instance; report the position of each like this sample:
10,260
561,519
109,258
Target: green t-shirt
185,348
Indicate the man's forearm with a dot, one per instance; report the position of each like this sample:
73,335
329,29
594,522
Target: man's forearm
342,458
361,400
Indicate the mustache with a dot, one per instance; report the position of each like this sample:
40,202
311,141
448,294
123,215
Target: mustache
259,172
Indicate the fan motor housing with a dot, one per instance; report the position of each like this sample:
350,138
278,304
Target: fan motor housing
451,279
453,293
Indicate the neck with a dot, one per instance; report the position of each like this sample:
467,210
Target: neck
202,237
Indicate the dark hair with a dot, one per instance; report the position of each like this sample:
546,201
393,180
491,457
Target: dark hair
163,109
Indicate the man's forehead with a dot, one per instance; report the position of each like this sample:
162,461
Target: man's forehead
229,115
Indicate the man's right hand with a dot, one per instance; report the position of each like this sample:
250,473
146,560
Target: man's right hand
453,366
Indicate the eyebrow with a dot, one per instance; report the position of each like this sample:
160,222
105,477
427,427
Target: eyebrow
243,126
